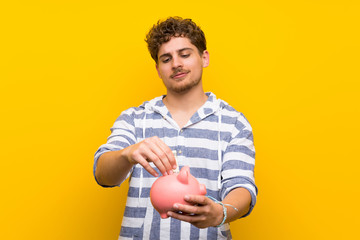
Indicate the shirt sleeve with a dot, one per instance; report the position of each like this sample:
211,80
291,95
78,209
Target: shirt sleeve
122,135
239,162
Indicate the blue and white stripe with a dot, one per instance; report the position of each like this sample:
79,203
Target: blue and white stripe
217,144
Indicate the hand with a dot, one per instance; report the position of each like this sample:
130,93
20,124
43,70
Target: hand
205,213
151,150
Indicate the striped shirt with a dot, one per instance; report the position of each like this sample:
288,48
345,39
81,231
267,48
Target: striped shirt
217,145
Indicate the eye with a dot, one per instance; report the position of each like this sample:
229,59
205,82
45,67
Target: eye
165,60
185,55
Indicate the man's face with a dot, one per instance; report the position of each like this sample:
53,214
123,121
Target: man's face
180,65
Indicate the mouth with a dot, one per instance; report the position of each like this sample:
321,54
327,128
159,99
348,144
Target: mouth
178,75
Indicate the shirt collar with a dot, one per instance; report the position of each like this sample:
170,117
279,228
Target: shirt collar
211,105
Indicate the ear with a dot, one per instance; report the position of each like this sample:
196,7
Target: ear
157,69
183,176
205,58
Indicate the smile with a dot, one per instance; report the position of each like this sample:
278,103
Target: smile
179,75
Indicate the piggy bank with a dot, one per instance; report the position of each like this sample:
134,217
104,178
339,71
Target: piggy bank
170,189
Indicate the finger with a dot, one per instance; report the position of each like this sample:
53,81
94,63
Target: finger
162,150
143,162
150,156
189,209
166,156
186,218
197,199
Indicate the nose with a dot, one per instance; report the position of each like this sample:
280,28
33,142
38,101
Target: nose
177,62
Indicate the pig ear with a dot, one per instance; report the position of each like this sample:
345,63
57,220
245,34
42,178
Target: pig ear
184,175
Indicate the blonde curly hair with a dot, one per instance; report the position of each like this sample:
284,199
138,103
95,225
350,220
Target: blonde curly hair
163,31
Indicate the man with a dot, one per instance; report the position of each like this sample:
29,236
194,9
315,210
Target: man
207,134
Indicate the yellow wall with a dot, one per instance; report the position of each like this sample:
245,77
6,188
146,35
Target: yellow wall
68,68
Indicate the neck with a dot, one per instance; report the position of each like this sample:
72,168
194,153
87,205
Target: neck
183,105
185,102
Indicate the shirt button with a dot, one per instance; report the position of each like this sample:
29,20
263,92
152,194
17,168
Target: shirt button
179,151
181,130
